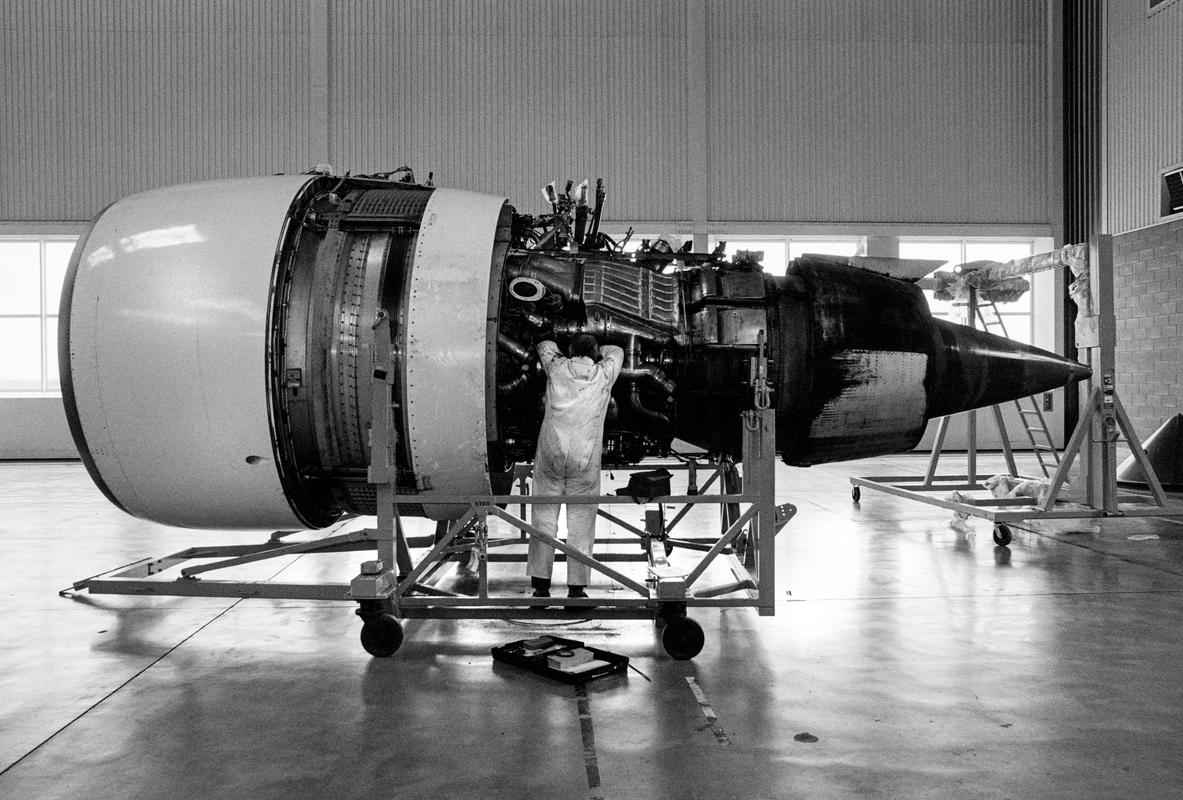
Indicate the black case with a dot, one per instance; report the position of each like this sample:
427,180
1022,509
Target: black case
644,486
515,653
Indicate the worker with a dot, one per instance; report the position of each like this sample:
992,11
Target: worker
567,460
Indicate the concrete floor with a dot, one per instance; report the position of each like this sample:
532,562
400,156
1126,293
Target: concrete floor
926,662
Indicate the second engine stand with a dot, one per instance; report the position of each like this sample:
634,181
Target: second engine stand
1102,423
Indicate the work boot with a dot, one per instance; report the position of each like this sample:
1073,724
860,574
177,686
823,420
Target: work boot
576,591
541,589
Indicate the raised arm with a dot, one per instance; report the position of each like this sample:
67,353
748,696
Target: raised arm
549,354
611,358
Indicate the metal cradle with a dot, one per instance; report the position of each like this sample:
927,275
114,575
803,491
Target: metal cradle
447,575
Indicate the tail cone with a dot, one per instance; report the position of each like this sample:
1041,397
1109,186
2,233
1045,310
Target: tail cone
861,366
977,369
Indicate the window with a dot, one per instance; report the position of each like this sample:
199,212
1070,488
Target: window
799,246
1017,317
776,258
1171,192
634,242
32,269
780,250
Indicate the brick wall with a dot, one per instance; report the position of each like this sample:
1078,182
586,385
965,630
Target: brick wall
1148,300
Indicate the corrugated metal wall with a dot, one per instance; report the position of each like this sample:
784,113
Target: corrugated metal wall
900,110
908,111
505,97
1083,120
1144,108
107,98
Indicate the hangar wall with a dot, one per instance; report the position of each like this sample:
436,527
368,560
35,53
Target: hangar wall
105,99
506,97
1148,287
1143,136
892,111
900,111
1144,108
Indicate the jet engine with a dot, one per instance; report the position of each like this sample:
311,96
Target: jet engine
217,355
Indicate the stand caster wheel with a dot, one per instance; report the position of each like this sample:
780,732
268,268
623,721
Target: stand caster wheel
682,638
856,494
381,635
1002,536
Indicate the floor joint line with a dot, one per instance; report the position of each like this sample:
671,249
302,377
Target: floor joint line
587,733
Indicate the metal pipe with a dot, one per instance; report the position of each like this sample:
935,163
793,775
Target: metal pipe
600,194
513,384
638,407
557,276
536,320
607,330
580,212
645,370
651,373
635,373
513,348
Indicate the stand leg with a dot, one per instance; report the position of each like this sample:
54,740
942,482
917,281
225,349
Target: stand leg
935,456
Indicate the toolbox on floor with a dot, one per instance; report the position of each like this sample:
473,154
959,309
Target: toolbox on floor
565,660
644,486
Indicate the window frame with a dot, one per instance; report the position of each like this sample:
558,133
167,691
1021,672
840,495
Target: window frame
788,240
1033,298
49,308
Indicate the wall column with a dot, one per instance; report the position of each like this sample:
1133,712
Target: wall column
697,108
320,79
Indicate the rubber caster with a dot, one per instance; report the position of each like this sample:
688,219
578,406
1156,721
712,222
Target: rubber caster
682,638
1002,535
856,494
381,635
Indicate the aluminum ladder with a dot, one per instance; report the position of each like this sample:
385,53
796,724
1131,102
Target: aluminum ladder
1031,415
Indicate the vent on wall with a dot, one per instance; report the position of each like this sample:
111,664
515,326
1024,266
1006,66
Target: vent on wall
1172,191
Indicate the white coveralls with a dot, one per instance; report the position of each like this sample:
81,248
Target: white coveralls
567,460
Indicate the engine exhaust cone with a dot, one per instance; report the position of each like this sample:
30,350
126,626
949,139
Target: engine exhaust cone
978,369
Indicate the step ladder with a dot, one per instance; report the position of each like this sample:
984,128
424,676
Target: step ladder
1030,413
